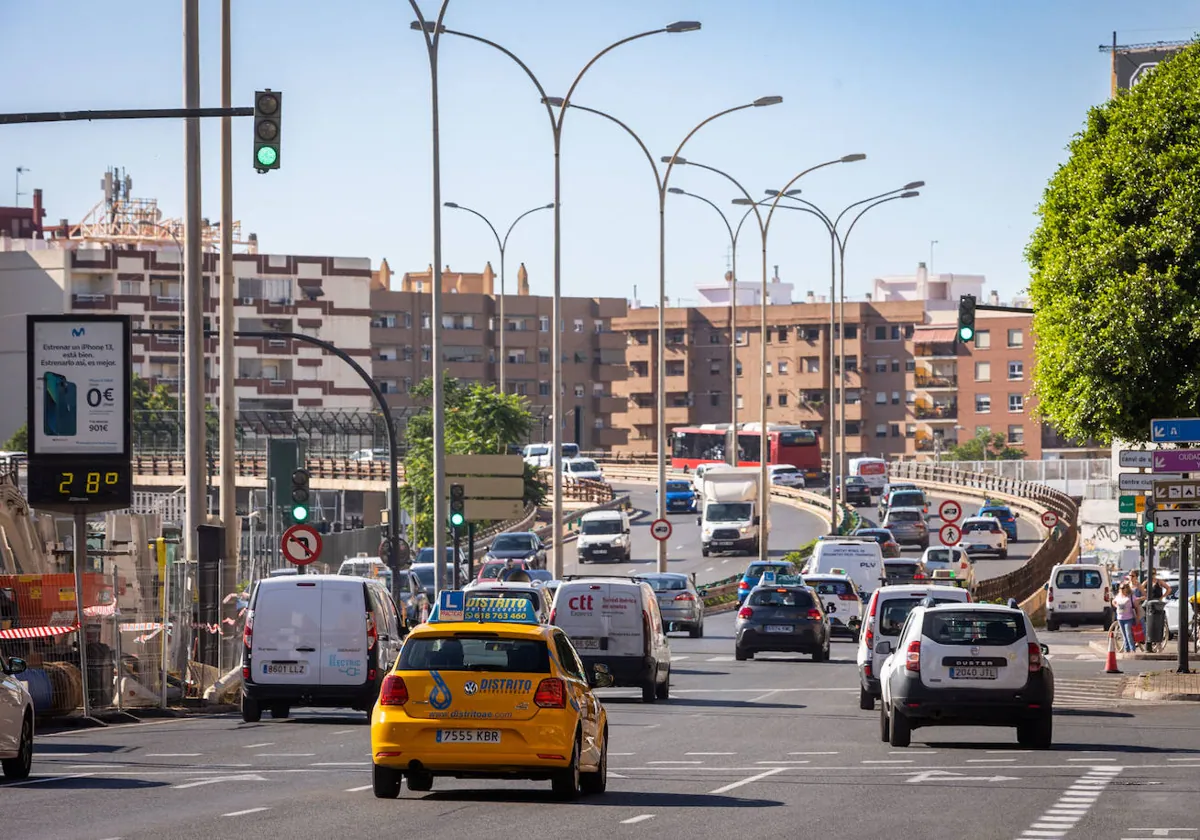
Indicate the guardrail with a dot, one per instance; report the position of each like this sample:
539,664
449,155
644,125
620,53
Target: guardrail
254,466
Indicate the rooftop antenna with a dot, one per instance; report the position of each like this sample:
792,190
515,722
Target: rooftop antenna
17,199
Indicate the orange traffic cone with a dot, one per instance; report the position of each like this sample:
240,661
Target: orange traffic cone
1110,664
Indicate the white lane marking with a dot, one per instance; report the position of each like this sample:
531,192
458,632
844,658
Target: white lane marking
69,755
97,766
615,753
1197,758
989,760
344,731
1091,759
256,746
813,753
680,658
889,761
639,818
727,559
674,762
243,813
789,763
760,698
711,569
748,780
700,753
172,755
340,764
284,755
718,659
1073,804
359,789
912,752
1006,752
49,779
754,690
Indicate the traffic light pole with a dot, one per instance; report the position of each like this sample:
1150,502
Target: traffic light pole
455,583
122,114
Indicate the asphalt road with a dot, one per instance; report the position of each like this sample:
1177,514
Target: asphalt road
774,747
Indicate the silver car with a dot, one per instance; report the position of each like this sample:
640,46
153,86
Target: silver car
679,601
908,526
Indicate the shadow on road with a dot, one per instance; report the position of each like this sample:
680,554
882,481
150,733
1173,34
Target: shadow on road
87,783
640,799
1128,749
676,700
75,750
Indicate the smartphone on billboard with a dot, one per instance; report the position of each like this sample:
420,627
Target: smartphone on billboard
58,406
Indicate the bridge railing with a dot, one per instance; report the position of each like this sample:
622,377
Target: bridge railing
255,466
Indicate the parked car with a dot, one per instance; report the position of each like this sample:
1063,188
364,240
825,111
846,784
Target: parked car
16,720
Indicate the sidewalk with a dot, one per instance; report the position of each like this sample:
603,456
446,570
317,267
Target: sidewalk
1164,686
1169,654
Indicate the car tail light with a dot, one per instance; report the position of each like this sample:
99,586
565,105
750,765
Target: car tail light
867,668
1107,596
745,612
372,633
553,613
686,596
370,675
248,630
645,633
913,659
1035,657
968,596
1050,596
551,694
874,604
245,673
918,576
815,614
743,585
393,692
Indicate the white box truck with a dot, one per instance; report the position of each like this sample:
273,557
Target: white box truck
731,512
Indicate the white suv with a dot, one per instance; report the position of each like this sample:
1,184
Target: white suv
16,720
1078,593
967,665
984,535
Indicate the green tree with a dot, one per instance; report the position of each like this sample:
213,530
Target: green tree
479,420
1116,264
994,445
19,442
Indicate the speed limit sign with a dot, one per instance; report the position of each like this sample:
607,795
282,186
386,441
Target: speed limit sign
950,510
950,534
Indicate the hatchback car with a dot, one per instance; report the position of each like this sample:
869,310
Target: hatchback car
858,492
967,665
901,571
984,535
953,560
1003,513
16,720
785,475
519,545
679,601
887,542
908,526
781,618
681,496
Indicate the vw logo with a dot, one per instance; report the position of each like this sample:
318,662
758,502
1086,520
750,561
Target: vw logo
470,688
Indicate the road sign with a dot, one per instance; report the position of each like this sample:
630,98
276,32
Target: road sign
1145,481
950,534
950,510
1136,458
1131,504
660,529
485,465
1177,522
1128,527
1049,519
301,544
947,776
1177,460
1179,430
1177,491
479,510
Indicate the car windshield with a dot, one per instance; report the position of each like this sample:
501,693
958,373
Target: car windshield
894,612
570,450
855,481
727,511
583,465
513,542
878,536
539,574
1078,579
665,584
425,555
492,570
904,516
464,652
678,487
781,598
832,587
974,627
601,526
972,527
537,451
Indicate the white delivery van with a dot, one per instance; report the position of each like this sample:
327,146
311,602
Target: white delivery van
861,560
616,623
730,512
872,470
316,640
604,535
1078,593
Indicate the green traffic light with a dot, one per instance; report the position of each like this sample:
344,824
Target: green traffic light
267,155
457,519
966,333
1149,526
299,513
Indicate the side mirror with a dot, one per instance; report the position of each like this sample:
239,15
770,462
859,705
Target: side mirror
1045,650
698,521
601,677
883,648
756,519
830,607
16,665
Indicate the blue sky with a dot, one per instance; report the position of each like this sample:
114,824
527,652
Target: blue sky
978,99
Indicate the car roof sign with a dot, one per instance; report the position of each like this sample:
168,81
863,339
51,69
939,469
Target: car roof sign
461,606
768,579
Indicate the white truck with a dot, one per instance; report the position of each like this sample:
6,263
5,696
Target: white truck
731,510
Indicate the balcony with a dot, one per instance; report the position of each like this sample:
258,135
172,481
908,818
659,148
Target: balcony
611,341
936,350
91,301
610,405
936,413
634,415
931,382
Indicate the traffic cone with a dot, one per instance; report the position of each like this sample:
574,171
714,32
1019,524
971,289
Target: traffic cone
1110,663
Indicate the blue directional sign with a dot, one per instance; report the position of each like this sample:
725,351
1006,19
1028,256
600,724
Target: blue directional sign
1179,430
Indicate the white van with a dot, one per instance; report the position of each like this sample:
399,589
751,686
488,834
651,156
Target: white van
872,470
616,622
886,612
862,561
604,535
316,640
1078,593
538,454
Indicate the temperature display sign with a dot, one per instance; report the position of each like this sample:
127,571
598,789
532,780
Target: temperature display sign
98,484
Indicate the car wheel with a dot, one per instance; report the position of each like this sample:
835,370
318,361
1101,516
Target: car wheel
901,734
1051,626
649,692
251,711
1004,554
565,783
1037,733
885,730
385,782
279,712
19,767
696,631
703,552
865,701
822,655
663,690
740,654
420,782
597,782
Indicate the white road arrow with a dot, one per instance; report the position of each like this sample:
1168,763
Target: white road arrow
946,776
244,777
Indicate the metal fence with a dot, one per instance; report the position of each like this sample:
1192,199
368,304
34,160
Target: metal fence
1090,478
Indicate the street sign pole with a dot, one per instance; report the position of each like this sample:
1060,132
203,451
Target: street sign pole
1183,634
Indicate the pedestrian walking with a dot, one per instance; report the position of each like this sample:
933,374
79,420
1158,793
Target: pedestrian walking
1127,613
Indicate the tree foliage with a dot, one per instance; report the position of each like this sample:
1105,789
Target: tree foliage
479,420
993,444
1116,264
19,442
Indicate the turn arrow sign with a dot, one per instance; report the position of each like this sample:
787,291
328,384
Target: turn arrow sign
244,777
946,776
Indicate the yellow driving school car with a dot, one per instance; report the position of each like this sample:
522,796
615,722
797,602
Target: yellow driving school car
485,690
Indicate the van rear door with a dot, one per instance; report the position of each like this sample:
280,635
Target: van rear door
287,633
343,632
601,618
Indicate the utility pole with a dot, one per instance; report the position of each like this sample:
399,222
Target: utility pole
228,417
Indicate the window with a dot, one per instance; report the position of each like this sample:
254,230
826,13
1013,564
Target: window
578,325
543,389
910,398
1016,403
852,331
714,366
811,364
895,332
739,367
881,332
578,391
783,399
895,429
910,430
851,364
812,333
783,336
543,323
1016,434
895,398
910,365
544,355
407,384
852,427
676,337
516,356
426,353
742,338
881,398
1016,370
1016,338
983,403
983,340
601,326
881,430
714,338
895,365
853,397
768,370
983,371
740,402
468,322
407,353
908,330
714,398
597,389
768,400
598,423
783,369
677,368
881,365
426,320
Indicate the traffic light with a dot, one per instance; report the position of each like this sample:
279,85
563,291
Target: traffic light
267,107
300,496
1149,522
458,505
966,318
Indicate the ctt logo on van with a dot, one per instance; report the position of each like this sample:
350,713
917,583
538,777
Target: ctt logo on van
580,602
349,667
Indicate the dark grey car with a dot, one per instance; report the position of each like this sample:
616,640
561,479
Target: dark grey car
679,601
781,618
908,526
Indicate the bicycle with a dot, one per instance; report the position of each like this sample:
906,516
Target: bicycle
1149,645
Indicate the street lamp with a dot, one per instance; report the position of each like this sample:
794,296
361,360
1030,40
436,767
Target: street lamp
502,244
556,126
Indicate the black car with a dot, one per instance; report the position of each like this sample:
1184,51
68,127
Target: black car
519,545
858,493
781,618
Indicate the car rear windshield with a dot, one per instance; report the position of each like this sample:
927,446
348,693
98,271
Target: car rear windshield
895,572
972,527
1002,512
939,555
782,598
1078,579
756,570
666,584
583,465
875,534
832,587
471,652
974,627
907,498
894,612
904,516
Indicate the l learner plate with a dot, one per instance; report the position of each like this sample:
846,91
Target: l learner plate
780,628
468,736
973,673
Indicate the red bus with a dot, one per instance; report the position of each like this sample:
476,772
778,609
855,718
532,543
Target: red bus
693,446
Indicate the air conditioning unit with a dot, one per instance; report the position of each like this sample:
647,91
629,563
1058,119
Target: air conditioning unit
247,301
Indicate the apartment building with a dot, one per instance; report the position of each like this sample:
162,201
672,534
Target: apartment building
593,355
